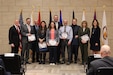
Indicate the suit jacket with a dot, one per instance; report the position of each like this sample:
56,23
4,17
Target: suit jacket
95,36
59,24
48,34
75,41
104,62
24,32
81,32
42,35
14,36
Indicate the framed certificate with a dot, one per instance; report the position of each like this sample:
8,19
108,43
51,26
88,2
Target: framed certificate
42,45
85,37
64,34
52,42
31,37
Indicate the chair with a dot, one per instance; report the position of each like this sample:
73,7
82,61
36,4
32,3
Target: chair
13,64
105,71
90,59
1,70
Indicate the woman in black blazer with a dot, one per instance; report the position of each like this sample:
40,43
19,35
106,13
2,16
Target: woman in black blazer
42,39
95,37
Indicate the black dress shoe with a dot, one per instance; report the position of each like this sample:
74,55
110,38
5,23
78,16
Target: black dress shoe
40,62
43,62
62,62
75,62
28,63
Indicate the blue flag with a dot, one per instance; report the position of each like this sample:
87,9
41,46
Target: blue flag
21,19
60,17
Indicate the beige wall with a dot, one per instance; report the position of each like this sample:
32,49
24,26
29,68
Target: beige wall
10,10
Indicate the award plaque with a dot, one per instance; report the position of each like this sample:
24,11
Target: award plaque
31,37
85,37
64,34
52,42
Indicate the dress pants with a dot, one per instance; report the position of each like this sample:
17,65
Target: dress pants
14,49
25,51
52,54
58,52
64,45
35,50
74,50
84,52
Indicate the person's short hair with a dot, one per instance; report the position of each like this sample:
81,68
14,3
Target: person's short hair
27,19
75,19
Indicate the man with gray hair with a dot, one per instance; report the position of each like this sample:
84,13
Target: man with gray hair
106,60
66,35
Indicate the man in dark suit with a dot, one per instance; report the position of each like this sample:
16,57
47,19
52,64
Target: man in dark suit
14,37
58,25
75,40
34,44
106,60
26,31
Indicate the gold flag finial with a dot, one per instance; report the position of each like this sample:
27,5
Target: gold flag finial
104,6
33,7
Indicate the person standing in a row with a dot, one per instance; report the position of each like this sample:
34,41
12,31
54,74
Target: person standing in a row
52,40
75,40
84,33
66,35
58,25
42,39
14,37
95,37
34,44
26,31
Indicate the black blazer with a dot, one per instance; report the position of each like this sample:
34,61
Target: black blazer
59,25
104,62
75,41
95,36
14,36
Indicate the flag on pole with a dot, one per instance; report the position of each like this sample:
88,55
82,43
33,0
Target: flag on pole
104,29
60,17
73,15
31,19
95,15
83,16
50,17
21,18
39,18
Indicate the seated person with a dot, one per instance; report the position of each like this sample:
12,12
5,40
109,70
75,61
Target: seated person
106,60
2,64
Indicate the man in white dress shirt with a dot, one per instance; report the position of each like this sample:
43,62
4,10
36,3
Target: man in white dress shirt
66,35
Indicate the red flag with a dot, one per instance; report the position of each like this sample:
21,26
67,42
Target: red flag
39,18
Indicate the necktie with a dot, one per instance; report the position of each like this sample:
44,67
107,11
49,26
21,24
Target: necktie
64,28
18,30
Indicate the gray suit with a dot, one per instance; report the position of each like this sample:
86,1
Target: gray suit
25,42
104,62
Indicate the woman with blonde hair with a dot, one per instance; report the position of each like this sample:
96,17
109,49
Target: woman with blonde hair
84,33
